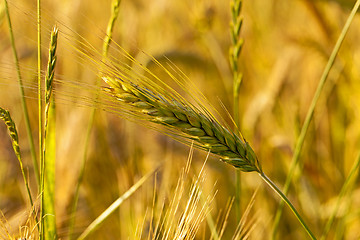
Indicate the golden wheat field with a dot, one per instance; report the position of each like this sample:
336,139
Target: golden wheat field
151,114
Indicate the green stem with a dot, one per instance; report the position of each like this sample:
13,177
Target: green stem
343,190
237,83
310,113
287,201
234,54
23,102
40,126
110,26
40,104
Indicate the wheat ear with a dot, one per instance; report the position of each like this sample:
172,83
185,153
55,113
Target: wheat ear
49,79
6,117
186,121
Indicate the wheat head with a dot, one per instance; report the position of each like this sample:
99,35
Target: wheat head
5,116
186,121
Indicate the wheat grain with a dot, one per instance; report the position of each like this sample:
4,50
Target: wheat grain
186,121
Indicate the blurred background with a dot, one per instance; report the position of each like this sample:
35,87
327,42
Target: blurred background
287,45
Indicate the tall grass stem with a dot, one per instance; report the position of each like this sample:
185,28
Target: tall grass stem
287,201
346,186
40,123
301,139
110,27
234,53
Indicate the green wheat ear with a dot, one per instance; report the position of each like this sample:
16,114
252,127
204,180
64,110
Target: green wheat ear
185,122
6,117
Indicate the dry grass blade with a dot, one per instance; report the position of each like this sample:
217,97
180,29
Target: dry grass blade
183,216
247,223
26,230
184,122
115,205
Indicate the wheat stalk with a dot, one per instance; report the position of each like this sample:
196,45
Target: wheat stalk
186,121
234,55
301,139
48,147
49,78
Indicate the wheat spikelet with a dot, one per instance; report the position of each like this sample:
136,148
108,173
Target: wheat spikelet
49,78
48,146
185,120
5,116
51,64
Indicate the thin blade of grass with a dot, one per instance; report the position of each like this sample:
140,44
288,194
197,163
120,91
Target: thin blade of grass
40,123
243,231
301,139
211,224
115,205
287,201
346,186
